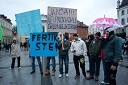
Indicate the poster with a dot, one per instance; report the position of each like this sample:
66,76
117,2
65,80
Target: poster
43,44
28,22
62,20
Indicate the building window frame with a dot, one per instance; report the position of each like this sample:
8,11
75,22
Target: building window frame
123,12
123,21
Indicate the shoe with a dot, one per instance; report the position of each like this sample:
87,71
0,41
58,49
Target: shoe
60,75
53,73
19,67
121,60
77,76
105,83
66,75
47,72
32,72
90,77
10,68
96,78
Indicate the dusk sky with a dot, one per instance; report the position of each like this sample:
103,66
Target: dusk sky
87,10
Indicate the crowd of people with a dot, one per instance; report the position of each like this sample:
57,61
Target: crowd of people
106,48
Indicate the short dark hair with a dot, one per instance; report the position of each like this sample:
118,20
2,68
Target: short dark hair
98,33
75,35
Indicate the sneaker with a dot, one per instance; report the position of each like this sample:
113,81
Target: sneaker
106,83
47,72
53,73
66,75
96,78
77,76
32,72
90,77
60,75
121,60
10,68
19,67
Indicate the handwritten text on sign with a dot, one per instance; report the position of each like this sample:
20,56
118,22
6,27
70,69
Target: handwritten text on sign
43,44
59,19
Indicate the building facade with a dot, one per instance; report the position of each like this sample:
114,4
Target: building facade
82,30
44,22
6,28
122,16
92,30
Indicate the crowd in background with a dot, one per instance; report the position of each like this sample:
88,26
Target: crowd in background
107,48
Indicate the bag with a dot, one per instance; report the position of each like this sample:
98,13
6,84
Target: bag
102,54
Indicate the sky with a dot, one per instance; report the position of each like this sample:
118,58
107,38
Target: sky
87,10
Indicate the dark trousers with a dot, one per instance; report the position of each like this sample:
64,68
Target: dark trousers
109,74
13,62
53,63
64,58
95,65
39,63
81,60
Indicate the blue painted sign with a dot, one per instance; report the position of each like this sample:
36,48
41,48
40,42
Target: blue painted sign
61,20
28,22
44,44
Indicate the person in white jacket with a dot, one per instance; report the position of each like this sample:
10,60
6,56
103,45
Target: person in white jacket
15,53
78,47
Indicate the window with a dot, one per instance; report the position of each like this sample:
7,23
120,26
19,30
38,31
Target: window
123,21
122,12
127,11
122,30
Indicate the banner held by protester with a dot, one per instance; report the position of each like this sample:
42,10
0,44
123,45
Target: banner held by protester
29,22
61,20
43,44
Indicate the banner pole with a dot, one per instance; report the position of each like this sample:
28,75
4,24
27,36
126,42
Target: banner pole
43,66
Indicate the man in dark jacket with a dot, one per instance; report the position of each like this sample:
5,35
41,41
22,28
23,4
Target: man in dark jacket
112,55
95,59
90,38
63,46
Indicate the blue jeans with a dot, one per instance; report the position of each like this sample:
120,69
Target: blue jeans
53,63
64,58
39,63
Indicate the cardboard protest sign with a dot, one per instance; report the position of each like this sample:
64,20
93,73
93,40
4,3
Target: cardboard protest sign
28,22
43,44
61,20
0,32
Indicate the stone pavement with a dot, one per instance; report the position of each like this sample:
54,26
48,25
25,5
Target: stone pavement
23,77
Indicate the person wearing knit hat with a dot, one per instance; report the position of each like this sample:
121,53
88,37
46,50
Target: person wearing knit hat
94,52
112,51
